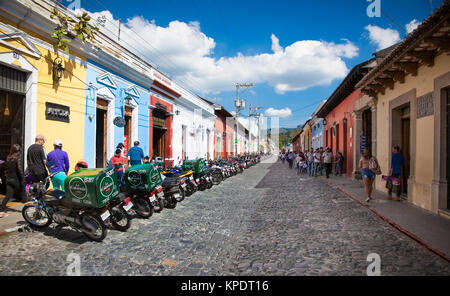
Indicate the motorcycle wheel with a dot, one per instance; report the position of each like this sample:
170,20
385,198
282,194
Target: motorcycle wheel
34,216
209,184
183,193
215,179
119,219
190,189
158,208
96,224
142,207
171,203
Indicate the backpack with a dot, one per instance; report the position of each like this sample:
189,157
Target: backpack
374,166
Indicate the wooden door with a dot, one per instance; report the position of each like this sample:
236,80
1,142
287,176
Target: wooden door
448,148
101,133
344,152
405,149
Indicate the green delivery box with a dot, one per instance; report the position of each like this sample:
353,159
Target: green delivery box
197,165
142,177
91,187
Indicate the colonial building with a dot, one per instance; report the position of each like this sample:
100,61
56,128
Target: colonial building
338,119
42,91
317,128
410,89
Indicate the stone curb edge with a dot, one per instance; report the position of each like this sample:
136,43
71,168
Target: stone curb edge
393,224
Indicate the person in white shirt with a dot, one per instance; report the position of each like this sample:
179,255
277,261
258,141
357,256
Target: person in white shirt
328,161
317,161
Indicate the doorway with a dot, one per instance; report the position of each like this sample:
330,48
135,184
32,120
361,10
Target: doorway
101,133
448,147
405,150
183,142
12,123
337,138
159,134
367,128
344,150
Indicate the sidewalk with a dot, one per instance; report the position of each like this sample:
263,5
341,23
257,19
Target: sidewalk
14,221
427,228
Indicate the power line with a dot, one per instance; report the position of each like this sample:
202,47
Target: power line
159,54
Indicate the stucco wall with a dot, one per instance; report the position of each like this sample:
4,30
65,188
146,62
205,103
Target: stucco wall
423,137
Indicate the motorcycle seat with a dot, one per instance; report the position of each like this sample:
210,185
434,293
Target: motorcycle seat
55,196
170,181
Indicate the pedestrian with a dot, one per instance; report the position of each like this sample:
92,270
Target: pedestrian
283,157
396,171
291,157
321,166
14,178
310,162
58,163
135,154
317,161
36,160
297,163
339,164
367,174
118,162
146,160
328,161
121,146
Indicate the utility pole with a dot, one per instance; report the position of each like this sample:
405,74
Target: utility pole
239,104
250,114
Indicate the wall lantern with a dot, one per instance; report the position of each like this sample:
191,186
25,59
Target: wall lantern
345,120
128,100
177,112
324,122
58,70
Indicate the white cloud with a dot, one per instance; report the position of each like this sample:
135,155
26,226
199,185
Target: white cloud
283,113
382,37
412,25
298,66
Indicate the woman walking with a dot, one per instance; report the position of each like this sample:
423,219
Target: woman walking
14,177
367,174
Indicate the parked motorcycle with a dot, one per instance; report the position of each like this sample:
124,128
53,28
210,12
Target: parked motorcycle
81,209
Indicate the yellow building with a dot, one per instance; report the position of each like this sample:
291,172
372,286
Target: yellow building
411,90
32,99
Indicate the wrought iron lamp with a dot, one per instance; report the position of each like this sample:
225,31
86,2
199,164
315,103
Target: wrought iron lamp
58,70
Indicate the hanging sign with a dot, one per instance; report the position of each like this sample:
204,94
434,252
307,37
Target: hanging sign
119,121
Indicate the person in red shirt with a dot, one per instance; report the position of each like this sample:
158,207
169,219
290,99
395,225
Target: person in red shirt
118,161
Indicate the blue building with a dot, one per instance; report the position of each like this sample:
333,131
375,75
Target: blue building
117,111
317,129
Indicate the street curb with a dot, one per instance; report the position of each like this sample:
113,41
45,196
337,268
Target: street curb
393,224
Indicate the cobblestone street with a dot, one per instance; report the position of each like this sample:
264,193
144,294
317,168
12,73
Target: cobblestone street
267,221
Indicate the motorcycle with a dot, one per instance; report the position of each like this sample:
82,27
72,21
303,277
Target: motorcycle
49,206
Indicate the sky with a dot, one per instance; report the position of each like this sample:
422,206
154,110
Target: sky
294,52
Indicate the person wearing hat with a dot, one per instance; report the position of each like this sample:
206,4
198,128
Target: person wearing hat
58,162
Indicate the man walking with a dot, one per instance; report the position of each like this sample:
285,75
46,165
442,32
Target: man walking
317,161
135,154
328,161
36,160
